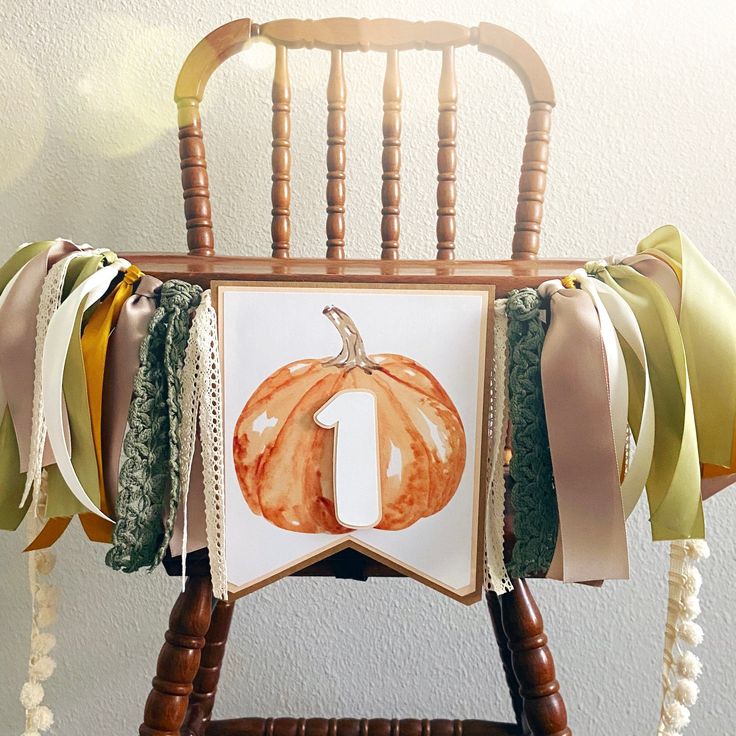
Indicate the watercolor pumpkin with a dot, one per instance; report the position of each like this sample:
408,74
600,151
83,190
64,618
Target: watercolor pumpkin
284,460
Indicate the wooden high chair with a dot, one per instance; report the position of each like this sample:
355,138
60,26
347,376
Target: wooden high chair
185,685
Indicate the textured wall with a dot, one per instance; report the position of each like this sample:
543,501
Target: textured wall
643,135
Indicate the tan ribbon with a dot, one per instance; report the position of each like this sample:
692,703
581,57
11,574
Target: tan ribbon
18,340
592,537
661,273
123,361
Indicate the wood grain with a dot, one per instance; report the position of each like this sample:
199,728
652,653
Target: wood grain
339,36
391,159
336,131
543,709
358,727
281,156
446,157
178,662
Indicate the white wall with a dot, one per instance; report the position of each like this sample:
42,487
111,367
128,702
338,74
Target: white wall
643,135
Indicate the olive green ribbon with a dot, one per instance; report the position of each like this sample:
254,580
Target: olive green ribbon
673,484
707,317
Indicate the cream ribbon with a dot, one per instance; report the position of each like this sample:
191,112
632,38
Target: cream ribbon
624,322
56,346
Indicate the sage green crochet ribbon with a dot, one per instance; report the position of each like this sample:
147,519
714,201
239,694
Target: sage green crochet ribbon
532,495
148,488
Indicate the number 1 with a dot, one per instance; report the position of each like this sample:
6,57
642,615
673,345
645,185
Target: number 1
356,479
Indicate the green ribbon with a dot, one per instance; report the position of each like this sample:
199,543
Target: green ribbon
673,485
708,327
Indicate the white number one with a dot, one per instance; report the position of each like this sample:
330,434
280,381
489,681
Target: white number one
357,480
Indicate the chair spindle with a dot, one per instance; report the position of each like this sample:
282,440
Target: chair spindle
194,180
391,159
281,156
532,183
336,129
446,156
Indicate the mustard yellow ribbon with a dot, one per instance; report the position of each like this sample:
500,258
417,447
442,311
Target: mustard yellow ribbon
93,347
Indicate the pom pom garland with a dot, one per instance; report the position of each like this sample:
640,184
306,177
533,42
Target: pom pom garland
46,616
690,608
689,666
693,580
47,596
697,549
43,718
691,633
42,668
686,691
31,694
676,715
45,561
42,644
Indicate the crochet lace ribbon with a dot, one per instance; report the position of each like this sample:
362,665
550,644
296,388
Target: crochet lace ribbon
149,476
680,666
532,495
496,576
201,404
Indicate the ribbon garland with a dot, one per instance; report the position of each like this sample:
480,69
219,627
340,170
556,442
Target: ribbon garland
100,417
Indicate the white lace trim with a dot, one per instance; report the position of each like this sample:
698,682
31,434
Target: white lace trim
496,577
50,301
680,666
201,402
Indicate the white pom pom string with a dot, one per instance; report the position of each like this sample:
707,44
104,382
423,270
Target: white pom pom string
686,692
41,666
690,633
680,666
676,716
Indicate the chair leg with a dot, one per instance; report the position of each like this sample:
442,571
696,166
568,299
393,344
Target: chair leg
494,608
178,662
544,712
202,699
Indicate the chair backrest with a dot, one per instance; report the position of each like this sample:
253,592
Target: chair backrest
338,36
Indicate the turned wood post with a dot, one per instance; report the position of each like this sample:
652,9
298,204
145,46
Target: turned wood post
543,707
446,157
178,661
210,665
494,608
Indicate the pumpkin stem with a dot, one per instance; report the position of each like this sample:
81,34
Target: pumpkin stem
352,354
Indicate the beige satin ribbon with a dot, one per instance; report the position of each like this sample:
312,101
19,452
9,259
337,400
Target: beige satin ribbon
18,340
592,537
122,363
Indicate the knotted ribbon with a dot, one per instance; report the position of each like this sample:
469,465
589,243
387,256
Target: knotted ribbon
705,306
673,483
577,388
